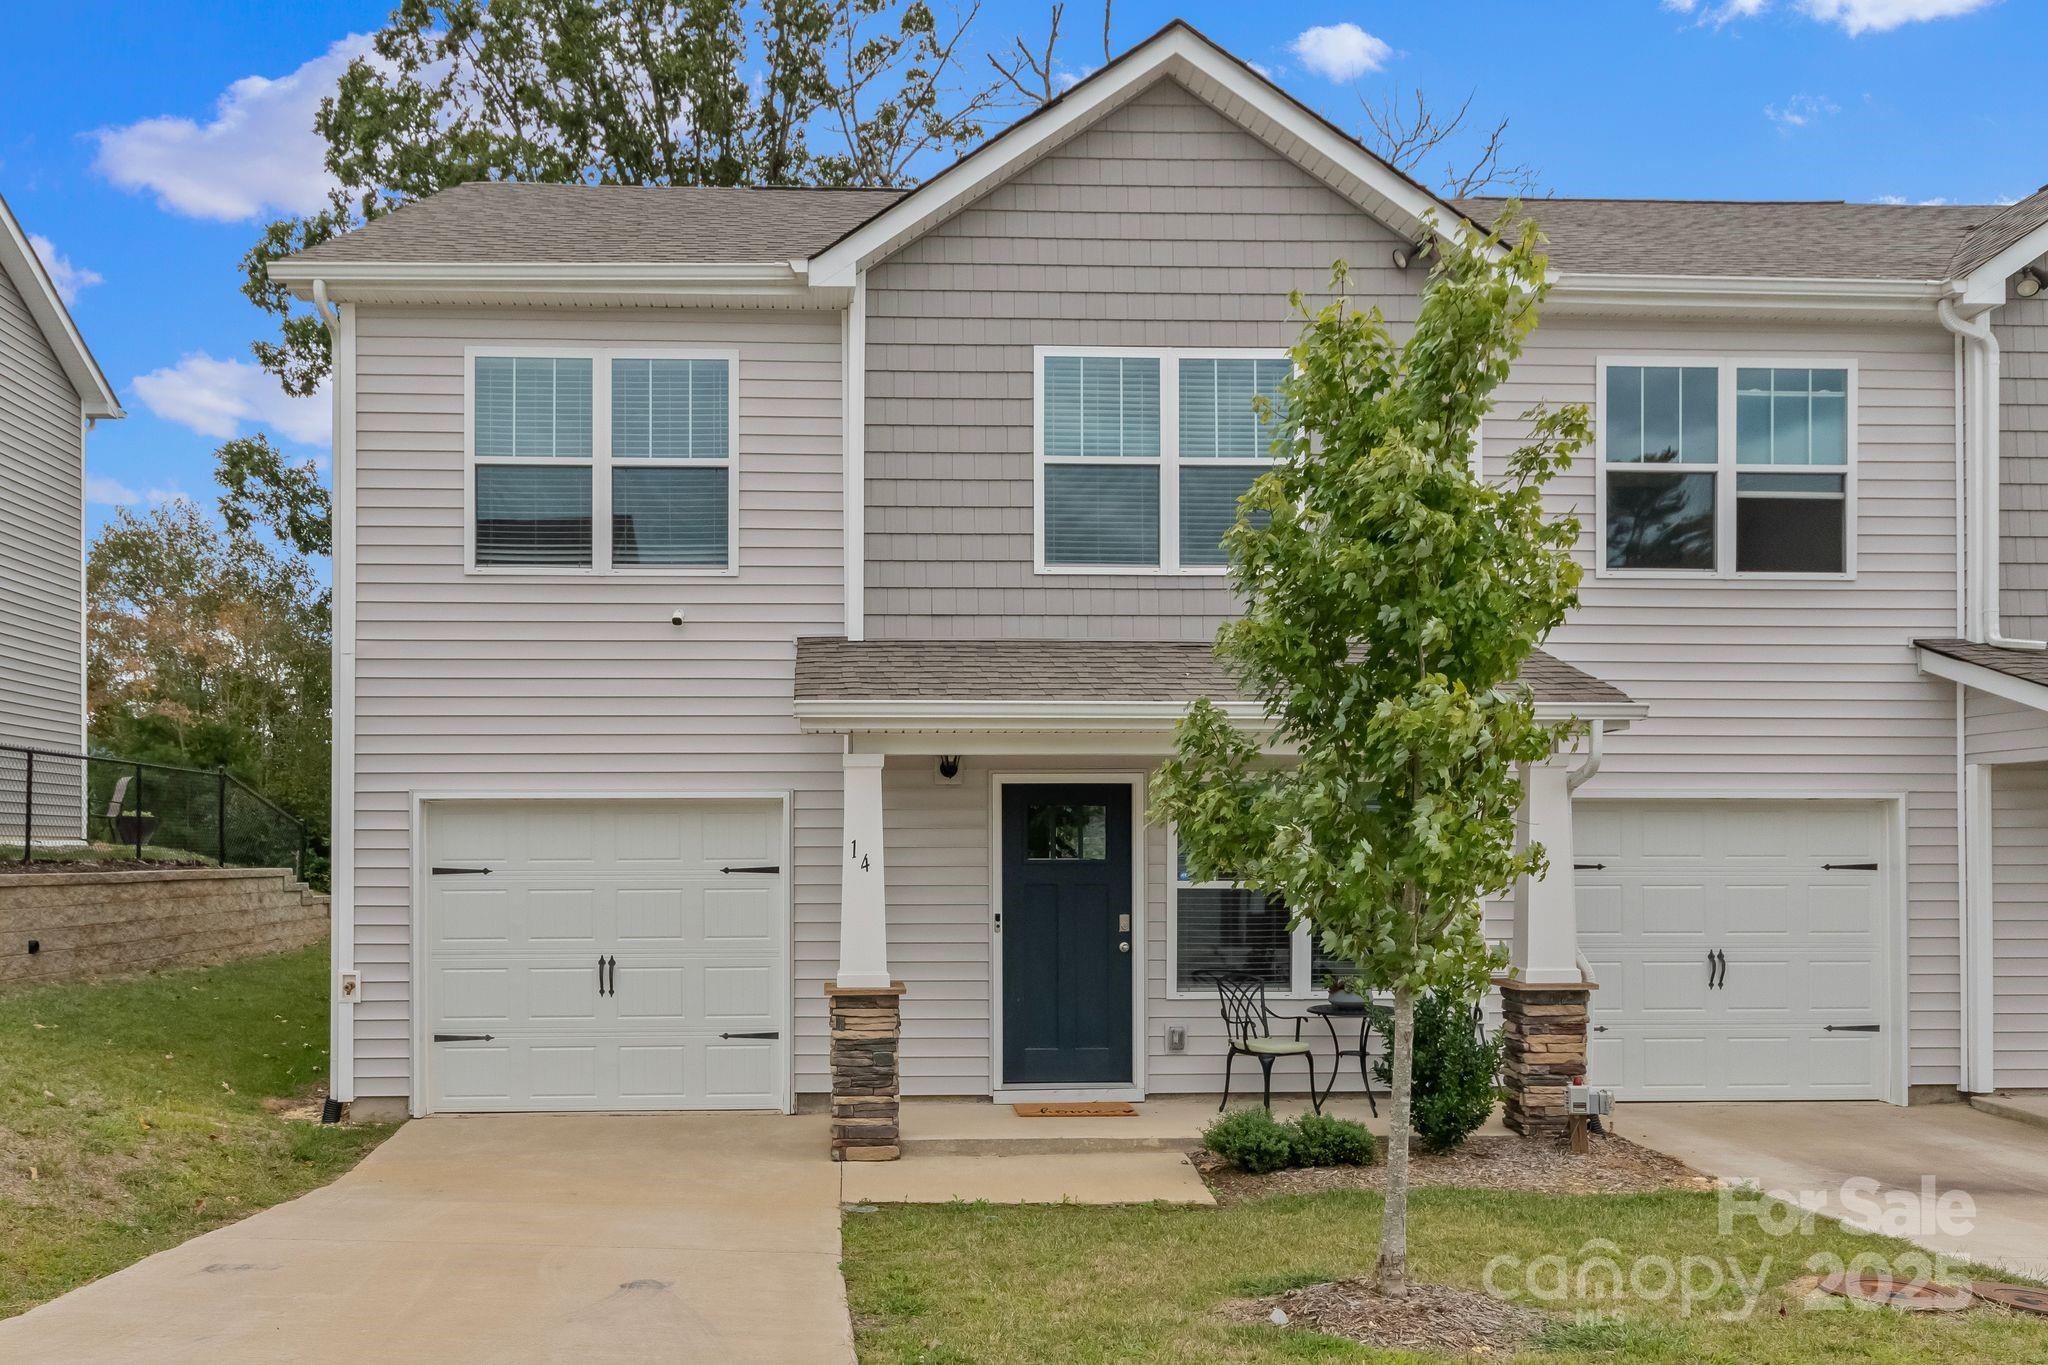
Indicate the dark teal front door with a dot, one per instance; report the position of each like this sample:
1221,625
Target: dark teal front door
1066,934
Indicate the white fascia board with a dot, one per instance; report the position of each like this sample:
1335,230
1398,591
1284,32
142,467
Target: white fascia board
607,277
19,262
1984,287
1735,291
1986,680
1176,51
857,715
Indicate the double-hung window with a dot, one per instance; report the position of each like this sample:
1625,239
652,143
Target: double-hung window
1143,455
1723,469
609,461
1222,927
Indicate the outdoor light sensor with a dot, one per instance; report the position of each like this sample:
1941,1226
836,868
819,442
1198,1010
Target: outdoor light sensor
2028,284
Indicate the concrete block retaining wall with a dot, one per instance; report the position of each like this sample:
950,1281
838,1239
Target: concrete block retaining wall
94,924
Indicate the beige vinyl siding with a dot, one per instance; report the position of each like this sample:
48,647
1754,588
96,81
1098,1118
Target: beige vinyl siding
569,684
2022,330
1164,224
42,574
1777,688
2019,850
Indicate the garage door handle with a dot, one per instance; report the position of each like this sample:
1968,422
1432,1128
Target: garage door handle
1853,1028
766,867
462,1037
1848,867
1589,867
750,1035
461,871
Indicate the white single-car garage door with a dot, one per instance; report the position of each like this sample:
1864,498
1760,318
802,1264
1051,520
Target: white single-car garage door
605,955
1739,947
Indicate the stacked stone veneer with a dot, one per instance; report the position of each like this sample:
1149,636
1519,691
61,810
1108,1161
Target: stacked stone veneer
867,1025
1545,1031
94,924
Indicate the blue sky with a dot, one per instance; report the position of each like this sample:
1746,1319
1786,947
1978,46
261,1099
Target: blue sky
147,142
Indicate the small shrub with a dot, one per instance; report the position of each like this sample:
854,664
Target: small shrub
1250,1140
1320,1140
1456,1076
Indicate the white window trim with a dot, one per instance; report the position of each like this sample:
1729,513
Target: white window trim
1167,461
1724,467
1303,985
601,461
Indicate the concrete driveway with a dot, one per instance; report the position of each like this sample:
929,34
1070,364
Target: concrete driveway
2002,1165
586,1239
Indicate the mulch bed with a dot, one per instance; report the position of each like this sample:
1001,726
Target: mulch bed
1433,1317
95,865
1615,1166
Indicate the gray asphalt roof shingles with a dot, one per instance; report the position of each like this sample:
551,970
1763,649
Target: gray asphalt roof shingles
2029,665
834,668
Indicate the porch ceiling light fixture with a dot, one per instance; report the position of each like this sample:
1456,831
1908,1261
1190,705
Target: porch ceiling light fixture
949,767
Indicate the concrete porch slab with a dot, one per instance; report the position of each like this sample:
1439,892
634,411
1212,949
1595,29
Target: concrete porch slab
1814,1148
1168,1123
2030,1108
1137,1177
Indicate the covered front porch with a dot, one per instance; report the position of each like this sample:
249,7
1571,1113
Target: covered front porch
1007,907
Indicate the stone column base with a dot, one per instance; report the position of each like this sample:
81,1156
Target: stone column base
866,1027
1545,1030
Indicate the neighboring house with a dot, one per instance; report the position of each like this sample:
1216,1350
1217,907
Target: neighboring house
783,590
51,392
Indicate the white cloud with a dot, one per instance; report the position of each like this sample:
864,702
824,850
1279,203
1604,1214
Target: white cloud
68,278
1855,16
113,493
258,153
1340,52
1902,199
226,398
1799,111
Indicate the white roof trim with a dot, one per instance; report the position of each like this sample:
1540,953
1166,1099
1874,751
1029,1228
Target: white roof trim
860,715
1987,680
19,262
1738,291
1176,50
529,276
1984,287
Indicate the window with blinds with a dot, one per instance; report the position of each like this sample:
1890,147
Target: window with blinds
640,446
1222,927
1145,456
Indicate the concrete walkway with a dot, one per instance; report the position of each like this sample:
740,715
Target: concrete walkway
584,1239
2001,1164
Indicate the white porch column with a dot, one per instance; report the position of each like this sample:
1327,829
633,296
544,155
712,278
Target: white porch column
863,913
1545,950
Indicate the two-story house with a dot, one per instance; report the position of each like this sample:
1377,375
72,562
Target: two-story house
745,595
51,392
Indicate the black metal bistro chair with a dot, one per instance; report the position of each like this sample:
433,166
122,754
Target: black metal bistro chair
1249,1024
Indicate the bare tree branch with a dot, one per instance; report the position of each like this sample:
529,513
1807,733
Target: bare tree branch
1406,132
1015,68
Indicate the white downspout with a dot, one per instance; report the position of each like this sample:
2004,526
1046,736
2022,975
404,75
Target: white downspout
1979,418
323,307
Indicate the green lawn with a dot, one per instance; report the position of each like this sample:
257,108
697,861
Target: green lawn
132,1115
961,1283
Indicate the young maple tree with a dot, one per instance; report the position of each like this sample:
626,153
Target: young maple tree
1391,594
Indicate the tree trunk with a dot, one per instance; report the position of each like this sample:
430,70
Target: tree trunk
1393,1268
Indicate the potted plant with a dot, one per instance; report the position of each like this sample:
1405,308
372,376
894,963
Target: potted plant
1344,993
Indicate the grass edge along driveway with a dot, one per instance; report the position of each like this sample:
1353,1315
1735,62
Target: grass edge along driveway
133,1115
951,1284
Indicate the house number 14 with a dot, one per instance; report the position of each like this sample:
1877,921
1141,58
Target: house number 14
858,856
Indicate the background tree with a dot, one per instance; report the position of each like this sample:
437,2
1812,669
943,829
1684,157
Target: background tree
209,648
1405,130
1390,597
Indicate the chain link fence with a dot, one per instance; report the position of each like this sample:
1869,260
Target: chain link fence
60,807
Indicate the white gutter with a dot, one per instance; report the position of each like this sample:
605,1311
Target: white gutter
841,714
1979,420
1596,750
323,307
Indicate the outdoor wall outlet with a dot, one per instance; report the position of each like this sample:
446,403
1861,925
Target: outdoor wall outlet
1176,1037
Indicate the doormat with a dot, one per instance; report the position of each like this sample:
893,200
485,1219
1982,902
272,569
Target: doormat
1077,1109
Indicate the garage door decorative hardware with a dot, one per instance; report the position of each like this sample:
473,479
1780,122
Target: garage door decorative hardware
602,963
1848,867
461,872
766,867
750,1035
1853,1028
462,1037
1589,867
1717,969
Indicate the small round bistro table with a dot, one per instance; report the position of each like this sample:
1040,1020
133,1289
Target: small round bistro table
1330,1014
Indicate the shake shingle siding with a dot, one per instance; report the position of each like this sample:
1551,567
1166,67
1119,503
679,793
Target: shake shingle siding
42,517
1165,224
2022,330
580,684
